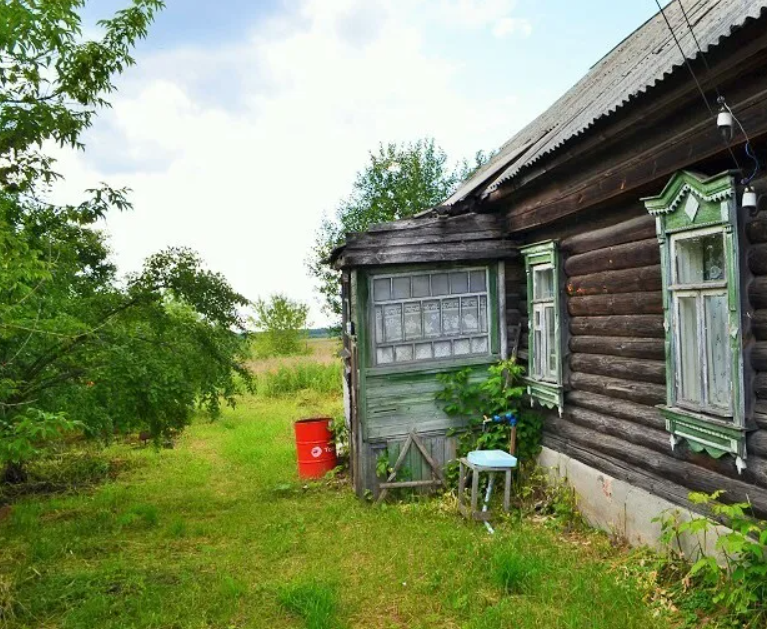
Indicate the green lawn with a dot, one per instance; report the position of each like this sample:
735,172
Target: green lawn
219,532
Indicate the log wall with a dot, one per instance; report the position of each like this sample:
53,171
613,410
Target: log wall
615,368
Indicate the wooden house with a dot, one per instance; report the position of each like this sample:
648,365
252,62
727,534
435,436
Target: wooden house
611,232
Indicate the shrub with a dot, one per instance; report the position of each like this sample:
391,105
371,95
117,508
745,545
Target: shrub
737,588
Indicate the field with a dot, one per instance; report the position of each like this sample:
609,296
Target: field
219,532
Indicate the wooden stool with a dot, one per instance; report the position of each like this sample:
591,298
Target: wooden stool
492,462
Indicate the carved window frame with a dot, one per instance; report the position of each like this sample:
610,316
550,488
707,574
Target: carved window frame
693,206
545,386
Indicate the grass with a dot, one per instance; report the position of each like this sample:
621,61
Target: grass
220,532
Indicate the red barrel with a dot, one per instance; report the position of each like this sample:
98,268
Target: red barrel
316,447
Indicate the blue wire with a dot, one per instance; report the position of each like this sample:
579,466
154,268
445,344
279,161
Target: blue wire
750,153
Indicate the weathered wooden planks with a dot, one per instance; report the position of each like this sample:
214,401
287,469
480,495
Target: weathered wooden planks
639,228
619,346
633,326
639,392
616,304
640,413
624,256
636,280
641,370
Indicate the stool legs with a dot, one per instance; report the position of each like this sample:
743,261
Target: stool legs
507,492
474,490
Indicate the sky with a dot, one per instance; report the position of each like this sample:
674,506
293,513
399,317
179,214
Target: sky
244,121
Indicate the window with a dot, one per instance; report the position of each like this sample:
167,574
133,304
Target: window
545,359
696,225
430,315
701,314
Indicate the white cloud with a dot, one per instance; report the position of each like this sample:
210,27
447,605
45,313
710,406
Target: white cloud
512,26
242,169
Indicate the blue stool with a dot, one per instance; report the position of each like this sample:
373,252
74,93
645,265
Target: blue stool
492,462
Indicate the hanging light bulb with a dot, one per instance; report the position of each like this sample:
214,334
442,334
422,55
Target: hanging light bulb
750,201
724,122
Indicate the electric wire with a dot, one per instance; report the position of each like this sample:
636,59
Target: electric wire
694,76
721,100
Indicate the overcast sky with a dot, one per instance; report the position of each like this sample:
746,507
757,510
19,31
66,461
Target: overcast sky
245,120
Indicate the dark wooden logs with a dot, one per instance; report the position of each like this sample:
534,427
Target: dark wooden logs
757,259
641,370
682,466
619,304
637,228
759,324
757,444
639,392
640,413
626,256
759,356
619,346
633,326
760,386
641,279
756,230
656,439
757,292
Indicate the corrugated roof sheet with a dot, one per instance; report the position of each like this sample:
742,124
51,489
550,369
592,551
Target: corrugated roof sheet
635,65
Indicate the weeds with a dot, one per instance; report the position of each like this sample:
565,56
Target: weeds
516,573
313,601
285,381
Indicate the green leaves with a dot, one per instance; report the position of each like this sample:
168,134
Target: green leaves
398,182
283,324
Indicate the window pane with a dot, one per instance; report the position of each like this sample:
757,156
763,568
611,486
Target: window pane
700,259
431,318
423,351
483,314
401,288
384,355
382,289
403,353
718,351
537,344
551,344
543,283
413,321
477,282
421,286
689,358
459,283
439,285
469,318
461,347
393,322
479,345
451,323
379,325
442,349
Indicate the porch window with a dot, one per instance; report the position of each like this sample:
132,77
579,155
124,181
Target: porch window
545,355
696,221
427,316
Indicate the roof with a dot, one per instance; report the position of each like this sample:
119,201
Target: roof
636,65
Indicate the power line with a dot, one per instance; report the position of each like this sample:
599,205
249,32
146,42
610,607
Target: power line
692,72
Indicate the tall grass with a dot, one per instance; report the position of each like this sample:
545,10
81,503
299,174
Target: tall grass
315,602
287,380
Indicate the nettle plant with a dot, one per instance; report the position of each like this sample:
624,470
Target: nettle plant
499,394
737,582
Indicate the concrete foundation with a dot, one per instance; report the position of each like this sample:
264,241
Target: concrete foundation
618,507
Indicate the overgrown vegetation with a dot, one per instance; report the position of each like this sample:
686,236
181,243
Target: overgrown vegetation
731,588
465,394
286,381
282,324
81,348
398,182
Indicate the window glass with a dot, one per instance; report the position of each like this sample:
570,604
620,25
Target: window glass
428,316
700,259
689,357
717,351
543,283
551,343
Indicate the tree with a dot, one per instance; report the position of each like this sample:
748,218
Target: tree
79,346
283,323
398,182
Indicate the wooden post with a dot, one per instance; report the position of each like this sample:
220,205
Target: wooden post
513,441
